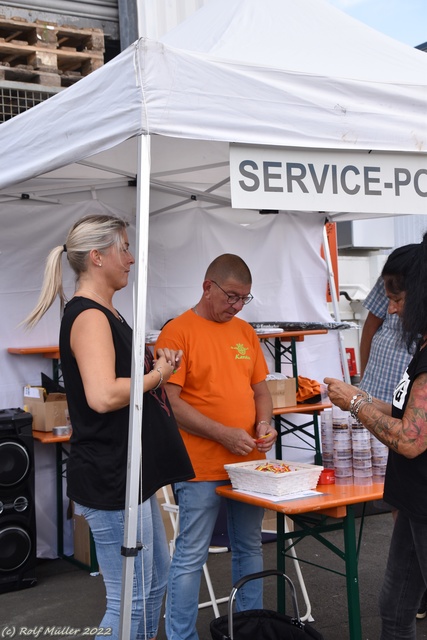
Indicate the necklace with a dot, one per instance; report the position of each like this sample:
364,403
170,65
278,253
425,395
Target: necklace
195,310
107,304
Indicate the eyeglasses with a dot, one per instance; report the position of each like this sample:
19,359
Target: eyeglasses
233,299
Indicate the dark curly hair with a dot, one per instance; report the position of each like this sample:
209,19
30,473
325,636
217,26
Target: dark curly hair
406,271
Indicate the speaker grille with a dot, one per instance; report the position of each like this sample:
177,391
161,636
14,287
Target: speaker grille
15,548
14,463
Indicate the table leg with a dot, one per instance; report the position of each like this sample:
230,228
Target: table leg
59,501
353,601
290,353
307,433
318,448
60,466
309,527
280,553
294,361
277,355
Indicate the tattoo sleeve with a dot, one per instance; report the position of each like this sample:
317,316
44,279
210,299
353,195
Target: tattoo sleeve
407,436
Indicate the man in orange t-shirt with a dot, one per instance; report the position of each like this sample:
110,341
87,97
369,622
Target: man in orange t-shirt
222,405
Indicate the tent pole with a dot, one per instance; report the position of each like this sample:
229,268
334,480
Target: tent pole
344,362
130,543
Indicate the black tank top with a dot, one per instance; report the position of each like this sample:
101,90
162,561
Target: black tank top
406,478
96,467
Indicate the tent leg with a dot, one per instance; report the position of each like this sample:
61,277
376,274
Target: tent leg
344,362
130,543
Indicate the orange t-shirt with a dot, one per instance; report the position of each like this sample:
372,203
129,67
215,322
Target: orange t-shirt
221,362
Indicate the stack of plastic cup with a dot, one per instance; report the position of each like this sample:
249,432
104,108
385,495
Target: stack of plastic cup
362,457
342,453
327,439
379,459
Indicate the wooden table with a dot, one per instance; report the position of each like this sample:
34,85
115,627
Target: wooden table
47,352
315,516
47,437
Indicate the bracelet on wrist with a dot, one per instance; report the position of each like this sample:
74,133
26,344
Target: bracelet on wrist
263,422
355,404
159,370
353,400
359,404
355,408
366,394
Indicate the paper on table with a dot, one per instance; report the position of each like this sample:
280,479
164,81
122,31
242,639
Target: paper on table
292,496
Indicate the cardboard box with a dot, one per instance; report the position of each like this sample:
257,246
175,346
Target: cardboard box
81,540
283,392
48,411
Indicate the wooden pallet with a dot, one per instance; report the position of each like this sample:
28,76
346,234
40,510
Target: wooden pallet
50,35
28,74
46,53
61,60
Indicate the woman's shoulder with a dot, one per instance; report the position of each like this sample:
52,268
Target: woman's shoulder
77,304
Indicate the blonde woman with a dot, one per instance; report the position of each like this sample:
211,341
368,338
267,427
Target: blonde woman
95,347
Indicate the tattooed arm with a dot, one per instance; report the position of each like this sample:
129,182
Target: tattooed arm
407,436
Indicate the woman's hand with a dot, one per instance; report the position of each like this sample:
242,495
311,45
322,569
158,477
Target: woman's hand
169,361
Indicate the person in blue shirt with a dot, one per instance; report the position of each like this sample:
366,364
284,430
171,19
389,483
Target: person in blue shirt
383,354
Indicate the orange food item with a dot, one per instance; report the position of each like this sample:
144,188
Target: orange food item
274,467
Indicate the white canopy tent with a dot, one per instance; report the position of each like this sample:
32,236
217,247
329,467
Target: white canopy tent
280,73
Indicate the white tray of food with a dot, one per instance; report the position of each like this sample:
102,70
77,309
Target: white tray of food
273,477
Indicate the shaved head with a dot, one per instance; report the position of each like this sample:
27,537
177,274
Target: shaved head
229,266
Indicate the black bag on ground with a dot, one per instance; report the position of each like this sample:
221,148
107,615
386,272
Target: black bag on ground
262,624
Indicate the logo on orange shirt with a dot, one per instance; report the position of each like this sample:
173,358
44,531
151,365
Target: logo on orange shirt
241,352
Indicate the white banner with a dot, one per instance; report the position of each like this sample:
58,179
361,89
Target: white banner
284,178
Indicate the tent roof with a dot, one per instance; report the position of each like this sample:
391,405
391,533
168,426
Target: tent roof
308,36
286,73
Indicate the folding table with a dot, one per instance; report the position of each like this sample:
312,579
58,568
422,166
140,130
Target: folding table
331,509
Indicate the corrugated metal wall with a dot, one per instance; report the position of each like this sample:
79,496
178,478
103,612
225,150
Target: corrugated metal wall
98,9
408,229
100,14
157,16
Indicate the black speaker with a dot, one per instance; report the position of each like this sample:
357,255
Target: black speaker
18,540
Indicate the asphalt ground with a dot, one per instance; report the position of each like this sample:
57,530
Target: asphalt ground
69,602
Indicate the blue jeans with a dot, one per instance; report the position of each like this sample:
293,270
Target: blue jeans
198,509
405,579
150,571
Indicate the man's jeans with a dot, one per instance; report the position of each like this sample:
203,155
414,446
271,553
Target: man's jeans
198,509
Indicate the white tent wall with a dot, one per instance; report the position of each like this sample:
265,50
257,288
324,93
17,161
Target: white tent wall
289,282
29,231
